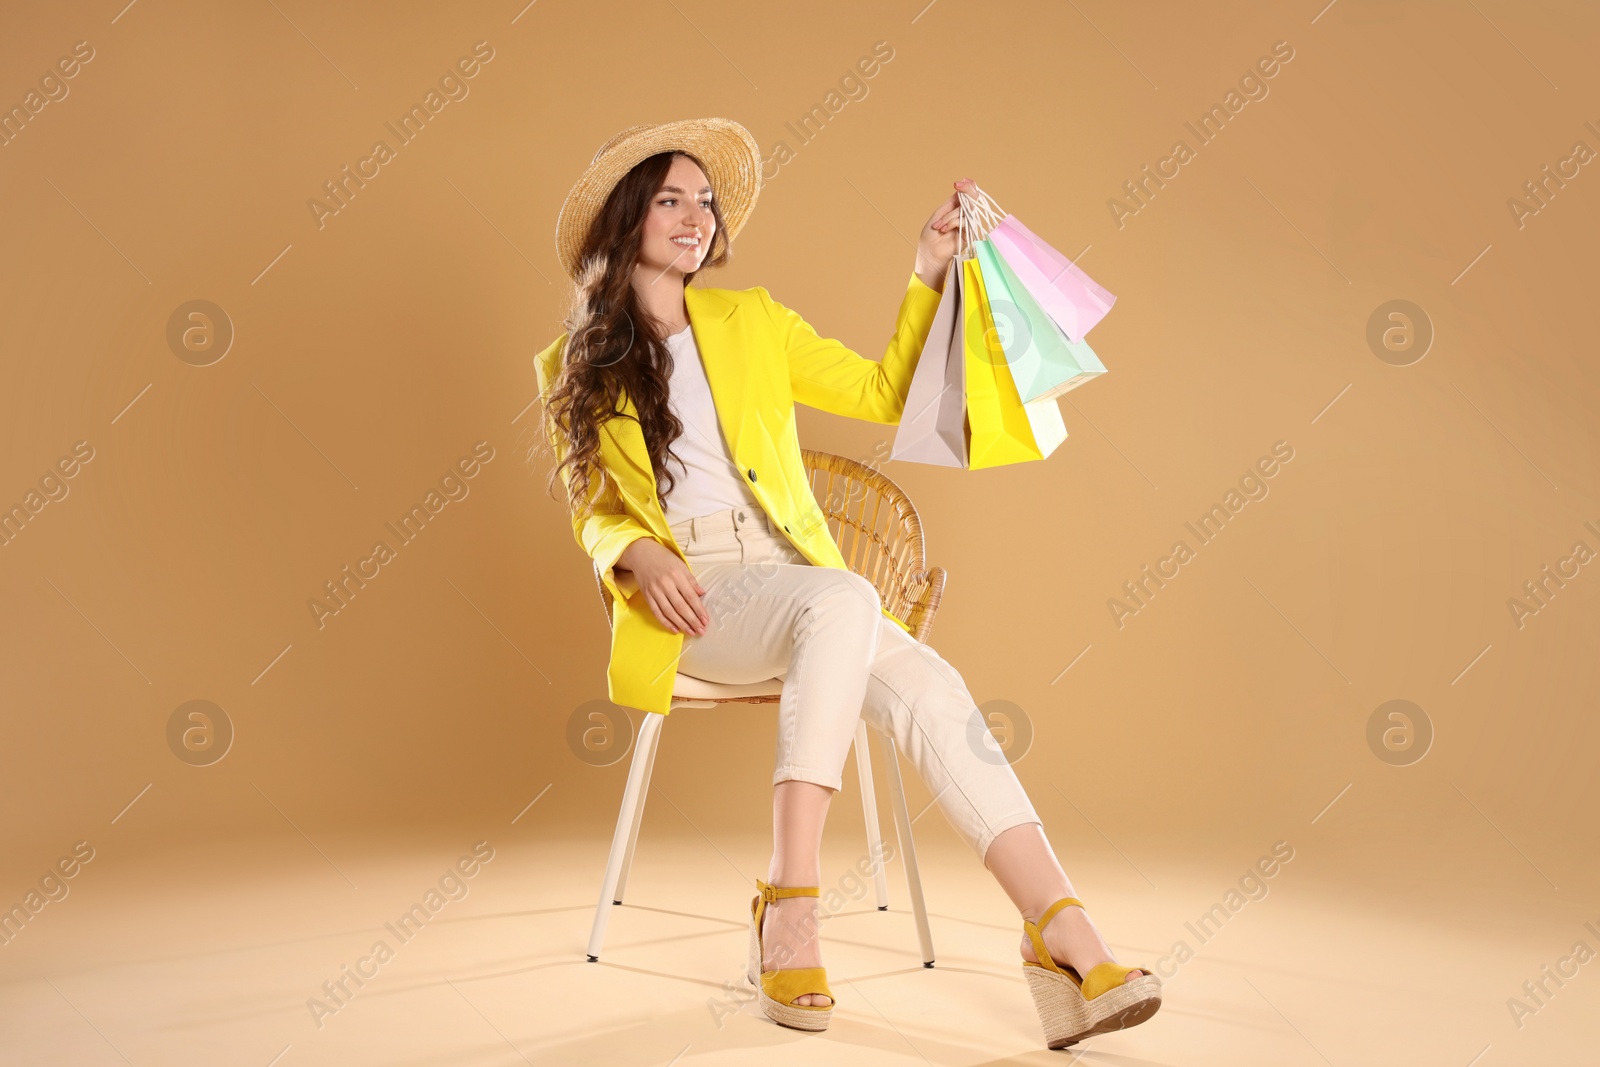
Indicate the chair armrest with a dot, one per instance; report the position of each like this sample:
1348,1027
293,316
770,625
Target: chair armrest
924,607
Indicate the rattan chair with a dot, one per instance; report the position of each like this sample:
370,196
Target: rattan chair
878,531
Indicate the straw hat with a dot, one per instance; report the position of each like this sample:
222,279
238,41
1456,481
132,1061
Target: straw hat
726,150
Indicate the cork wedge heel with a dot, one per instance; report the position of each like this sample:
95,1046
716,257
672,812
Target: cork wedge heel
1071,1007
779,989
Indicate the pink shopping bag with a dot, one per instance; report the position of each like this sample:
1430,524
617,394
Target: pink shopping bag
1075,301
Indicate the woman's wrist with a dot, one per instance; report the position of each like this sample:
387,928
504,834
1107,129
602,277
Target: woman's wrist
630,555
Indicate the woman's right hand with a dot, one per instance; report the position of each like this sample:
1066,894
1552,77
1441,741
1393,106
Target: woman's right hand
668,585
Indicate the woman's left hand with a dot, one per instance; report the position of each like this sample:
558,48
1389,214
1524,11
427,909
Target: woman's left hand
940,237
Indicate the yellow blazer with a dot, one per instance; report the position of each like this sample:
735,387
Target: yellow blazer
760,358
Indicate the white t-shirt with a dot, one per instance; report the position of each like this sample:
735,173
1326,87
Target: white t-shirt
707,480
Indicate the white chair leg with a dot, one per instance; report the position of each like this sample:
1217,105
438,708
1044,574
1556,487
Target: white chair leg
638,811
869,808
631,797
908,850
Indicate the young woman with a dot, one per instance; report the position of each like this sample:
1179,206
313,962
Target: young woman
669,410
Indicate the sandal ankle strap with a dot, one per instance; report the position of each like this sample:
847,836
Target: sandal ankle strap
1035,931
771,892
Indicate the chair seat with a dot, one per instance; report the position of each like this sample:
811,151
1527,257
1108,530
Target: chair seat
689,688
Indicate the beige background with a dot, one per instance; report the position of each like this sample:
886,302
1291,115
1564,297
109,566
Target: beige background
374,351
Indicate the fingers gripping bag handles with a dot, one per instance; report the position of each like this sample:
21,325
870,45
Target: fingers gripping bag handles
933,426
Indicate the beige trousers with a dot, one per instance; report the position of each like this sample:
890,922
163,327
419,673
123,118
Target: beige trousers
821,629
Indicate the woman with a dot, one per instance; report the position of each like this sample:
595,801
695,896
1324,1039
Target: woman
669,410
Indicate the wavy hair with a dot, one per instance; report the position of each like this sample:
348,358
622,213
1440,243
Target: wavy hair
614,346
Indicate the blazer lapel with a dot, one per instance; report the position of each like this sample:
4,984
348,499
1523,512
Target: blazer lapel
724,355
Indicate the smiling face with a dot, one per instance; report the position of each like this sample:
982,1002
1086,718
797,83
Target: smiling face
679,224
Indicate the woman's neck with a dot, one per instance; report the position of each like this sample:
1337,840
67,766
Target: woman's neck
660,294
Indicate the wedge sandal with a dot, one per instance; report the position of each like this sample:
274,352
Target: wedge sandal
779,989
1071,1007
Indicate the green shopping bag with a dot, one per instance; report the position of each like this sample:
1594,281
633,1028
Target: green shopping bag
1003,429
1044,362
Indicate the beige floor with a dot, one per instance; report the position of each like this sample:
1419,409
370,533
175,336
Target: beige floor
209,956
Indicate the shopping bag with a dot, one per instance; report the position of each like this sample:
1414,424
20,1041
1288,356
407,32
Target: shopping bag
1069,296
1002,428
933,426
1043,360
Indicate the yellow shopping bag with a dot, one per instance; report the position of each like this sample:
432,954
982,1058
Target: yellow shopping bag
1002,428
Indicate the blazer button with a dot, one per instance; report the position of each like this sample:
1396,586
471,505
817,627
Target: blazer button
752,473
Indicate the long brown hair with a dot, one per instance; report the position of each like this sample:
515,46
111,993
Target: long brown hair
614,346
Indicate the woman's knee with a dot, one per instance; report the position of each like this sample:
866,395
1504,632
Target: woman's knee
866,604
851,597
866,590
